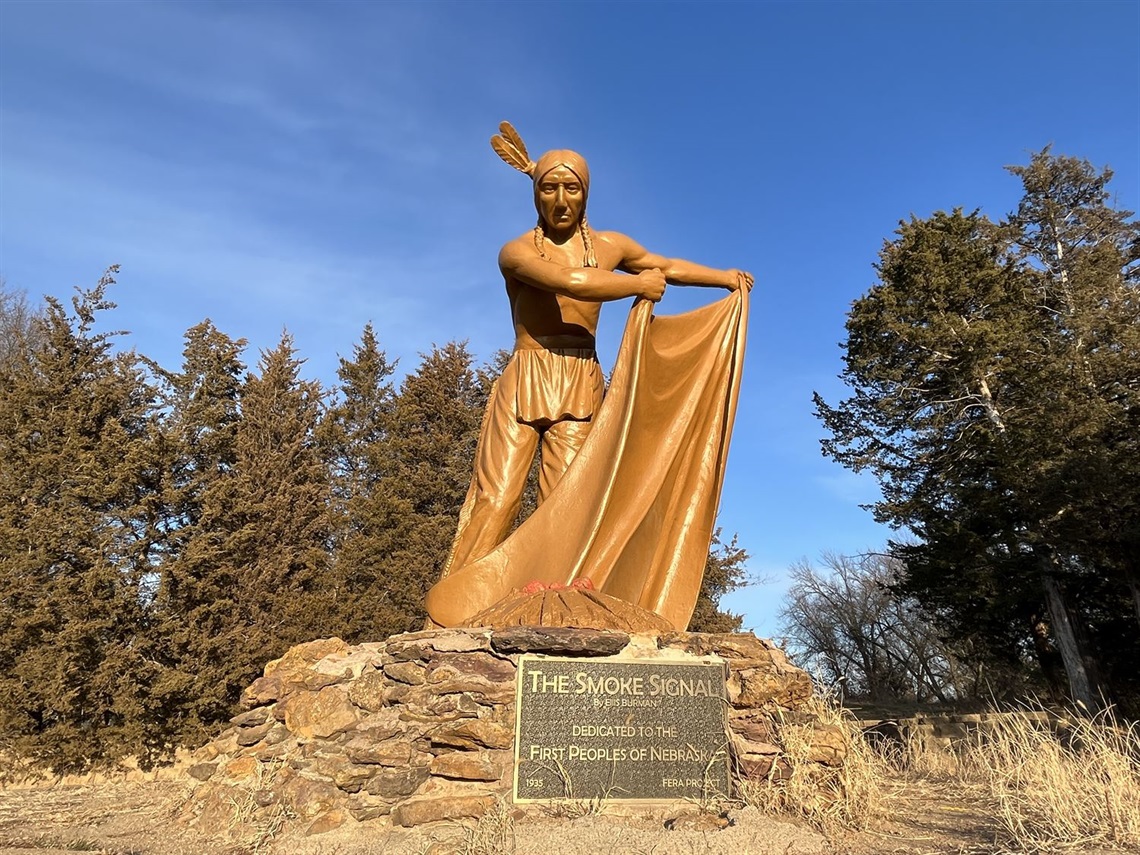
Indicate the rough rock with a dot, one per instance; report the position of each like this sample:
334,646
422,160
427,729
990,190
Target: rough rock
761,767
559,641
745,747
419,811
310,798
421,645
327,821
240,768
477,733
380,725
263,690
753,727
348,665
346,775
253,735
761,686
483,690
202,771
301,656
321,714
363,806
389,752
406,672
471,765
456,666
396,783
828,745
252,718
462,704
370,692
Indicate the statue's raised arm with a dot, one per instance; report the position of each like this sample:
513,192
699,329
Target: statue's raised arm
677,271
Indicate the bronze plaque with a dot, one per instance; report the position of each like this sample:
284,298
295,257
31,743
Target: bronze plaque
620,730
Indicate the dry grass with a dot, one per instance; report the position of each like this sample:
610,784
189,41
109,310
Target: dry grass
855,795
1076,789
1048,790
920,759
18,769
250,825
493,834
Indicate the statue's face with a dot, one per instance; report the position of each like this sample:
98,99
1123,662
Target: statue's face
560,198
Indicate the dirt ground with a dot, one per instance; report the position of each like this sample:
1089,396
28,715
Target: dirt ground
121,818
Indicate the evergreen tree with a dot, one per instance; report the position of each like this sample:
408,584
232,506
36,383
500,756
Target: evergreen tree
1080,255
724,573
1082,258
426,466
276,508
194,618
995,374
932,354
76,549
353,434
248,575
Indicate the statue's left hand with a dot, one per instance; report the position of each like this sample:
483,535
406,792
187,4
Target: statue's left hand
740,279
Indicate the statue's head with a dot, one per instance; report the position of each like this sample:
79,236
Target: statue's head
561,187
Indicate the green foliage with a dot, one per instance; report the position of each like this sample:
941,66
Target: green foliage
259,558
353,434
725,572
75,547
434,427
996,375
194,616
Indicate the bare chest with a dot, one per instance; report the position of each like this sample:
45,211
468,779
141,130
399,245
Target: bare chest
574,253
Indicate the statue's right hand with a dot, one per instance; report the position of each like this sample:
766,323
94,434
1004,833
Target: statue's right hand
651,284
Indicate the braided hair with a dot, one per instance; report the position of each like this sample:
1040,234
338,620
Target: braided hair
589,258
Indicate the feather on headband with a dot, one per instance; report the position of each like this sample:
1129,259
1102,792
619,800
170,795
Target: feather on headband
509,146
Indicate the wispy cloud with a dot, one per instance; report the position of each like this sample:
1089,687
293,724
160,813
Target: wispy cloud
187,254
298,195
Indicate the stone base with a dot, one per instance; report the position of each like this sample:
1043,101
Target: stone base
420,728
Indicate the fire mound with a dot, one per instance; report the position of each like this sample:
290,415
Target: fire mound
576,605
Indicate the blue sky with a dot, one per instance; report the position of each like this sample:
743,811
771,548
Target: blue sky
315,166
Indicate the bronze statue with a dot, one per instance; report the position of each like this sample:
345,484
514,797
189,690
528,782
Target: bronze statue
550,393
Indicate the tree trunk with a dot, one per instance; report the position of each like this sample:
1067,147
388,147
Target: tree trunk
1081,684
1132,576
1048,659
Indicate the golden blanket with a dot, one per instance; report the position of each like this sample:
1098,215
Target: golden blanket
635,511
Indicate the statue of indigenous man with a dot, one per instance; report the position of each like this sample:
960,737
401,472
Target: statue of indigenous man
550,393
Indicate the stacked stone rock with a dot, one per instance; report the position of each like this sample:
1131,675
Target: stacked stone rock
420,728
947,731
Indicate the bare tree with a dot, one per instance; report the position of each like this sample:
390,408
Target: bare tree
17,324
846,623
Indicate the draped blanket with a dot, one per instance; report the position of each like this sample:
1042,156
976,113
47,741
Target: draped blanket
635,511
